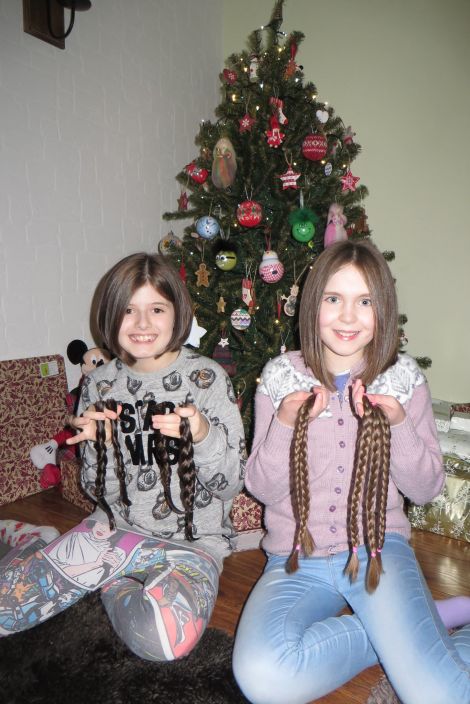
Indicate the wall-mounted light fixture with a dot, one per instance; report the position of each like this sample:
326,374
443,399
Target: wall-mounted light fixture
44,19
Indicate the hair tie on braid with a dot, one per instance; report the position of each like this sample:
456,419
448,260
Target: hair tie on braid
300,489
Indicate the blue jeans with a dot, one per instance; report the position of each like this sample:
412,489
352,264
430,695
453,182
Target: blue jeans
291,646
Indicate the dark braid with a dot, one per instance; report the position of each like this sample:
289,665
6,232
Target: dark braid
102,461
163,460
300,491
118,458
186,468
187,476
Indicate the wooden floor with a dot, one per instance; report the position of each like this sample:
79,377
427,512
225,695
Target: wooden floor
444,561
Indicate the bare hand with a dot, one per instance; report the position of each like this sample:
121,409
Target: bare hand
169,424
389,404
289,408
86,424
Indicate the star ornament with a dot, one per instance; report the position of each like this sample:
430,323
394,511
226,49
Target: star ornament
195,334
289,179
349,181
246,123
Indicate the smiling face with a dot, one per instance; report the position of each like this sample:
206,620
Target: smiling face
102,531
346,320
147,328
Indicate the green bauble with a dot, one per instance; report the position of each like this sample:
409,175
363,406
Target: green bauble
303,231
226,260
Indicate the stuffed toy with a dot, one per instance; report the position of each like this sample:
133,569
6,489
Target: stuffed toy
45,455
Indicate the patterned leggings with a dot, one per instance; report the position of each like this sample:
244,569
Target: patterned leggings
159,595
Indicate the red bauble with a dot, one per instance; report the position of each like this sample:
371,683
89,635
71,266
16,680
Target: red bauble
197,173
249,213
314,146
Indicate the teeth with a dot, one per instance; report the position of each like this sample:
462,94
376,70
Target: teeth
143,338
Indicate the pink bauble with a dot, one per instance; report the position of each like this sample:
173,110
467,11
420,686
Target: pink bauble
314,146
271,269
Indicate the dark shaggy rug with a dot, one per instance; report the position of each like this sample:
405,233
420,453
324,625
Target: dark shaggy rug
76,658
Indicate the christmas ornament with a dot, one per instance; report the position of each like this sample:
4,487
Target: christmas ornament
284,339
240,319
254,65
224,164
328,169
289,178
274,135
169,242
349,181
182,271
246,123
202,274
314,146
291,67
291,301
303,223
183,201
226,260
207,227
198,174
277,104
229,76
239,393
348,136
248,292
336,221
271,269
322,116
195,334
221,303
223,356
249,213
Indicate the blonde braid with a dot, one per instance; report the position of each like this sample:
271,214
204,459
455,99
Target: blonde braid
300,491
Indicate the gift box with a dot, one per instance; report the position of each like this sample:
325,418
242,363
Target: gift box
449,513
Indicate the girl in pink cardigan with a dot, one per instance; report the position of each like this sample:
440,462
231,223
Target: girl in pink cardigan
292,644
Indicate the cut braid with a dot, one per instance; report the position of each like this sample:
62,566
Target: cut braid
300,490
102,461
187,476
373,441
163,460
119,467
361,460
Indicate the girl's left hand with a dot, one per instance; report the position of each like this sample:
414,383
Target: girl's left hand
169,424
389,404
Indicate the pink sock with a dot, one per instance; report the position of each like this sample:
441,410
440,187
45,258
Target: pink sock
454,611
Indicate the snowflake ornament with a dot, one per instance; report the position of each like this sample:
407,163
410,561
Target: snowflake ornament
246,123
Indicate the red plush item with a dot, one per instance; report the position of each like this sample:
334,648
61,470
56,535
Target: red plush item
50,476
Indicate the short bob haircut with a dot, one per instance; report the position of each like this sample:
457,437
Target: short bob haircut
118,285
382,350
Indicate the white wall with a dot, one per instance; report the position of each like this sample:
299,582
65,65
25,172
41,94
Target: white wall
91,139
399,72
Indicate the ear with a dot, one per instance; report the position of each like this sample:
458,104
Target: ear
75,351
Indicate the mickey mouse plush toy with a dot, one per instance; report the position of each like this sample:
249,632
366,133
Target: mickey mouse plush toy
45,456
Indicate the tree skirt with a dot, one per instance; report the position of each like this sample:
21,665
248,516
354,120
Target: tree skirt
76,658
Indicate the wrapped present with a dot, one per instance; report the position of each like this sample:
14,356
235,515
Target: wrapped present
449,513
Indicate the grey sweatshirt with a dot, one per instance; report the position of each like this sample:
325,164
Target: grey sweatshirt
219,458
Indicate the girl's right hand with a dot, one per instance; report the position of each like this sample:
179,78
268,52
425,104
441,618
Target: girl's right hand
290,404
86,424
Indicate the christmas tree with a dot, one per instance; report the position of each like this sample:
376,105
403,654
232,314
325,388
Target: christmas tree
271,186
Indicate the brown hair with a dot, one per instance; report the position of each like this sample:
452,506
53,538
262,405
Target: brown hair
118,285
369,482
381,352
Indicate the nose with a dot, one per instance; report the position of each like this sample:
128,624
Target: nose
347,312
143,321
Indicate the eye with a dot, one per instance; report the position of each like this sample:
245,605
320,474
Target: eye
128,311
93,360
331,299
365,302
157,309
